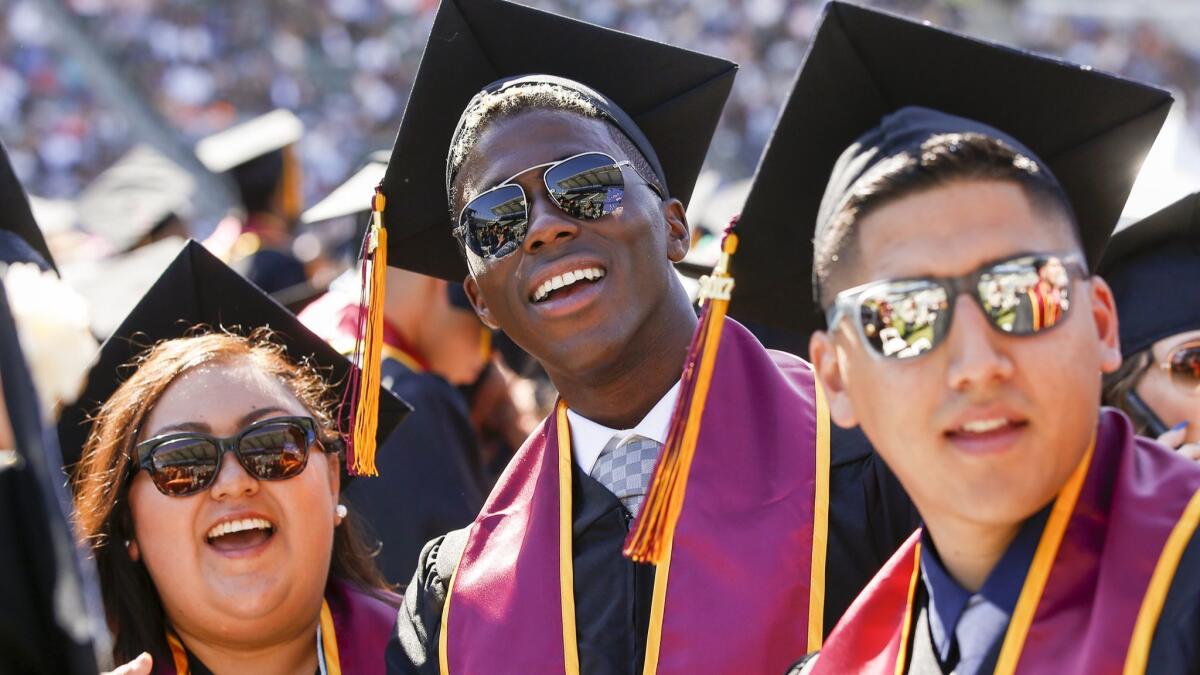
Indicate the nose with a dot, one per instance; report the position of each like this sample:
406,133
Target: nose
975,361
547,223
233,480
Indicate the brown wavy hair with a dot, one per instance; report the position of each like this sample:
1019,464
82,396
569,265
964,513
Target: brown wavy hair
102,479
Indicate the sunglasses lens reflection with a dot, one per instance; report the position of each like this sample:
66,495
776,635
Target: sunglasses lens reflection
184,466
274,451
1185,367
906,318
496,221
587,187
1025,295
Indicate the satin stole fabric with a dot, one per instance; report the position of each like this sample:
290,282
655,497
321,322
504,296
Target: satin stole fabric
1089,595
739,587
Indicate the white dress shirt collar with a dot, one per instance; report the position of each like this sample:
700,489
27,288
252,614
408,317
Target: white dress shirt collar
588,438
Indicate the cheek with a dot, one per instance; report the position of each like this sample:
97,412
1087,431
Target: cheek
163,526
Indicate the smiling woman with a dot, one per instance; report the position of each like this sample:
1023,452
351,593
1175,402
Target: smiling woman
207,557
208,487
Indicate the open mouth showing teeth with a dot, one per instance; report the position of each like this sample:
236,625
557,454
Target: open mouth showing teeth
239,534
985,426
552,286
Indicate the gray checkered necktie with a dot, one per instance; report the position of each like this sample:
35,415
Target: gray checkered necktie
625,469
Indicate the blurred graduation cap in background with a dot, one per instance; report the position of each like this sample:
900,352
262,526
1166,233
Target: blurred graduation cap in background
353,197
1091,129
198,289
253,155
1153,268
141,197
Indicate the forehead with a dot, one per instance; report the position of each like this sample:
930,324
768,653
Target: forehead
215,393
953,228
514,143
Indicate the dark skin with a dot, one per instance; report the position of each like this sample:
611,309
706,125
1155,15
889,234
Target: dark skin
612,347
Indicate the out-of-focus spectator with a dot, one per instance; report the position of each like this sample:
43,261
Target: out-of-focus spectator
346,66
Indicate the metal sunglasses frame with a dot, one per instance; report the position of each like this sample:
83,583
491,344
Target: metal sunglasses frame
460,230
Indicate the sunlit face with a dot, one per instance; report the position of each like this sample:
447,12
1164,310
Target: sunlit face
1171,402
986,427
251,587
587,326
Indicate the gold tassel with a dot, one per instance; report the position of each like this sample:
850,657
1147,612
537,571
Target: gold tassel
655,527
369,351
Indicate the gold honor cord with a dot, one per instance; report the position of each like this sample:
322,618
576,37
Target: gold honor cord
906,627
820,536
1039,569
1160,583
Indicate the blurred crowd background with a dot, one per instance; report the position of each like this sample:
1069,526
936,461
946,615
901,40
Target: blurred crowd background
345,66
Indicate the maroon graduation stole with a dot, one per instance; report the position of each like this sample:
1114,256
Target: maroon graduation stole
1097,583
742,586
355,628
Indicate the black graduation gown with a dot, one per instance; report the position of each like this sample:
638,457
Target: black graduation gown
44,627
869,517
429,480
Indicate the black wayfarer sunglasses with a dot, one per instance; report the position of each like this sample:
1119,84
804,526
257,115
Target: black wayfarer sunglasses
905,318
587,186
186,462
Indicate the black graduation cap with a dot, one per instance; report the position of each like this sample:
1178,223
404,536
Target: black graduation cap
674,96
18,219
1091,129
1153,267
134,197
197,288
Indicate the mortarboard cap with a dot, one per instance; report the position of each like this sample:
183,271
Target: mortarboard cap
134,196
18,220
353,196
670,96
1092,130
1147,264
197,288
249,140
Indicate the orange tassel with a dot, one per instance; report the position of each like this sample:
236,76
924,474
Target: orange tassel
655,528
369,350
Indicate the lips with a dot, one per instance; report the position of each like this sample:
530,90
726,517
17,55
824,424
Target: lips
566,280
562,276
986,433
233,535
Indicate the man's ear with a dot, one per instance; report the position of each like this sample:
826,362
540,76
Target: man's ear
822,349
679,235
477,301
1104,316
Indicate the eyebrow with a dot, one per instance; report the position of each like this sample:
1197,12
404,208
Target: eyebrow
246,420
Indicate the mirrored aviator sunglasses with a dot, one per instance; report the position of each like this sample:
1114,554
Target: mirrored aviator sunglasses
1183,367
587,186
905,318
186,462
